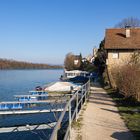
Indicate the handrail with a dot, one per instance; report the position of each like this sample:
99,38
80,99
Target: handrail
84,91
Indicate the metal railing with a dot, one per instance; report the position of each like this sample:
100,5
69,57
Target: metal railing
72,107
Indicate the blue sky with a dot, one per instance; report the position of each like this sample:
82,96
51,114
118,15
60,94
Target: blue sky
44,31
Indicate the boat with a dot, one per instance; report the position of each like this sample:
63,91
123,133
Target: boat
74,73
23,100
38,88
27,98
10,106
40,92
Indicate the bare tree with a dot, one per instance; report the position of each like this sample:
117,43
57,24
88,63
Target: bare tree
69,61
73,62
128,22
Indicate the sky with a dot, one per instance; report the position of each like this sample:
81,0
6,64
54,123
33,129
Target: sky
44,31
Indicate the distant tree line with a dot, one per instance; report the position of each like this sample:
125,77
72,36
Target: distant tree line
12,64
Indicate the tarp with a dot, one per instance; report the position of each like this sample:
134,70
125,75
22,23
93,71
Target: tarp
62,86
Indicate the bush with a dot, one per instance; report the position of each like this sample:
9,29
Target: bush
127,80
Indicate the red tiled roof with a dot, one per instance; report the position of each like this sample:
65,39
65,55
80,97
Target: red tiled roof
116,39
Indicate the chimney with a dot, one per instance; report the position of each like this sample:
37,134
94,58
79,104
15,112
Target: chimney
127,31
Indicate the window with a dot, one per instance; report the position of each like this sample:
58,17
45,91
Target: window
76,62
115,55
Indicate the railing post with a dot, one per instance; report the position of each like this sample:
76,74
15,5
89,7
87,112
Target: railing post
82,96
86,91
76,107
88,88
70,120
56,136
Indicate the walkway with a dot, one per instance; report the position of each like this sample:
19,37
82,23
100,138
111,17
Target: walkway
101,120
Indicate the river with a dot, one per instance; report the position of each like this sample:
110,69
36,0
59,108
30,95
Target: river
13,82
20,82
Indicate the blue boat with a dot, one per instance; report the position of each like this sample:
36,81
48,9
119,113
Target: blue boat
7,106
3,107
27,98
23,100
35,92
17,106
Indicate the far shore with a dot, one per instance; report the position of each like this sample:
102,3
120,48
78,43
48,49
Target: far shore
36,69
6,64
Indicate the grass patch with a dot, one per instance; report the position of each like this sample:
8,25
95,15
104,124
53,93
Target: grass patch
79,137
77,124
129,110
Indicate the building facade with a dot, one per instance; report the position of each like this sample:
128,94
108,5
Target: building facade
121,45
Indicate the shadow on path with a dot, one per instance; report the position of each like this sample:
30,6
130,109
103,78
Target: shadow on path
121,136
97,98
114,111
101,103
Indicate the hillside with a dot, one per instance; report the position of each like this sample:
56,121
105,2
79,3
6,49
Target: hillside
12,64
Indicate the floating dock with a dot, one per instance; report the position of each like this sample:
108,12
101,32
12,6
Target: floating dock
33,102
15,112
27,128
19,105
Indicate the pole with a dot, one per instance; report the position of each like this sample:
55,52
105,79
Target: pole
76,107
70,120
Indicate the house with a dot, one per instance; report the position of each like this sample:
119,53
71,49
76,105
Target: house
120,44
91,57
95,51
77,60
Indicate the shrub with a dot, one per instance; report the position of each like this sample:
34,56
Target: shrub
127,80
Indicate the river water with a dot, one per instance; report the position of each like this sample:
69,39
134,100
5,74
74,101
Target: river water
13,82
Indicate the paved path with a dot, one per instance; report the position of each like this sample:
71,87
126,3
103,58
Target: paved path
101,120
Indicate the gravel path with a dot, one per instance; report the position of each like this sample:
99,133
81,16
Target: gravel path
101,120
